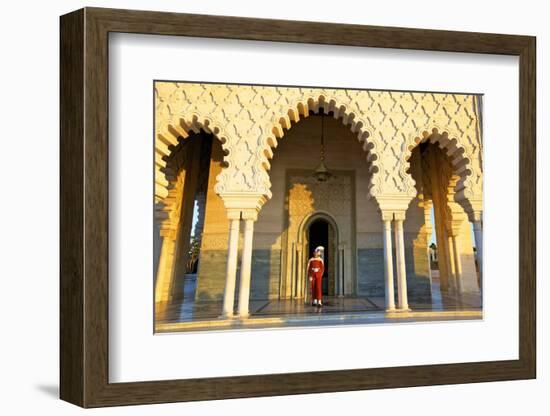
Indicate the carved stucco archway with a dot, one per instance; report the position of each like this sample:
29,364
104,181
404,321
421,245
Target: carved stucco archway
169,137
465,160
301,109
169,184
249,120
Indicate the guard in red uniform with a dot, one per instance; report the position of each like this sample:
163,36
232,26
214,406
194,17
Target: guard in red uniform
315,270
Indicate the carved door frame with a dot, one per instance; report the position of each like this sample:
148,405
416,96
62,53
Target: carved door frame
300,281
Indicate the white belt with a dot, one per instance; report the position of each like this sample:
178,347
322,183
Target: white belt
315,269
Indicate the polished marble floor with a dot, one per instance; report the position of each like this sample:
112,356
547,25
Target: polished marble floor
189,311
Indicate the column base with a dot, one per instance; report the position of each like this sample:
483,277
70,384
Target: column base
399,310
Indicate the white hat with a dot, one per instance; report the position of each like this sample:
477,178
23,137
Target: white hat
320,248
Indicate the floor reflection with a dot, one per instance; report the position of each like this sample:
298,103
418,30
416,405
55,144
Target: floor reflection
189,310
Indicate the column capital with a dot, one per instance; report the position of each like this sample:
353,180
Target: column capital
399,215
472,206
234,214
454,226
427,203
396,202
386,215
248,204
475,216
168,232
250,214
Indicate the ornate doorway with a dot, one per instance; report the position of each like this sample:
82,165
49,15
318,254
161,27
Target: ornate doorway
319,229
321,234
310,201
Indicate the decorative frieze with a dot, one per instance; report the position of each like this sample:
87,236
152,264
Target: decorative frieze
249,121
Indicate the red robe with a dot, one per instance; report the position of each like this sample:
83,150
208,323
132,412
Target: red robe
315,270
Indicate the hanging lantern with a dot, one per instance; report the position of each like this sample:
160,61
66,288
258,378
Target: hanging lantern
321,172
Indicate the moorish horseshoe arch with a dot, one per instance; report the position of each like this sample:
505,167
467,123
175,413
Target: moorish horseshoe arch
168,161
169,137
167,178
171,155
456,193
460,156
300,109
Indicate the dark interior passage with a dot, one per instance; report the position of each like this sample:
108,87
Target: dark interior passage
318,236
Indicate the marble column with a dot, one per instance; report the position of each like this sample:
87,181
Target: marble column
478,235
402,300
231,270
428,204
298,271
388,262
457,264
452,264
163,284
340,274
246,263
201,211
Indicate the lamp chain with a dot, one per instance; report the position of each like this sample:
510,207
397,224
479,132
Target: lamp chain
322,136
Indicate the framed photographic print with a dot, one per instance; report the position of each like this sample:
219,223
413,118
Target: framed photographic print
255,207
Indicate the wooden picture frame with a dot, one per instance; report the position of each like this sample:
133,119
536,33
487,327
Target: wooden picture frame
84,207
